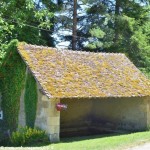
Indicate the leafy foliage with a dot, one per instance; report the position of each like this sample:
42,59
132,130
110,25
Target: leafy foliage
12,74
19,20
22,20
30,99
28,137
126,27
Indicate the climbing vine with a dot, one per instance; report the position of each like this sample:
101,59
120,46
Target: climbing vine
30,99
12,75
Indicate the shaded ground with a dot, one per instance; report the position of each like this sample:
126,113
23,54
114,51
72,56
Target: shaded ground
144,146
133,141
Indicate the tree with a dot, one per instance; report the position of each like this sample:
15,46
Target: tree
22,19
71,19
121,26
74,28
117,12
100,16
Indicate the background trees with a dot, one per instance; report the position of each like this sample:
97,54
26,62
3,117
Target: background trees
121,26
21,20
91,25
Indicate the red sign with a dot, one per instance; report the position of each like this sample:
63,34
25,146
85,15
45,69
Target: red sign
60,106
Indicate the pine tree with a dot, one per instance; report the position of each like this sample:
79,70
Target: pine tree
124,26
71,18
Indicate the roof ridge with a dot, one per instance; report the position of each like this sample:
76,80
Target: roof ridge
75,51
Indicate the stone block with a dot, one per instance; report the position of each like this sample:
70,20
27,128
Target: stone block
53,129
52,112
53,103
45,104
54,138
45,98
21,117
51,121
42,113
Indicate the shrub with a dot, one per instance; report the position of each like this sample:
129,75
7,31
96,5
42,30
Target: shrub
26,136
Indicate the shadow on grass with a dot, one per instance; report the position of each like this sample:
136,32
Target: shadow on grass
89,137
78,137
6,143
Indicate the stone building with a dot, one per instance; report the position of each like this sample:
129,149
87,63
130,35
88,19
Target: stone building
101,90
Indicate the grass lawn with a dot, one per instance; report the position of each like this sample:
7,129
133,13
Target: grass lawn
115,142
107,142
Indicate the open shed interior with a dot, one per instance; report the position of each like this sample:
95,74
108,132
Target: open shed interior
102,115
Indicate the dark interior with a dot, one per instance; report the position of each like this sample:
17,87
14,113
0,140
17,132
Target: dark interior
99,116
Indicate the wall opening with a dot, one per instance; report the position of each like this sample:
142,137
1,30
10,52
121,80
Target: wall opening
102,116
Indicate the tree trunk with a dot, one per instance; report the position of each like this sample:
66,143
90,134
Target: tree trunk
74,28
117,7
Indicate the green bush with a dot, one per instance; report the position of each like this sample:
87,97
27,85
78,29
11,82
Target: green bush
26,136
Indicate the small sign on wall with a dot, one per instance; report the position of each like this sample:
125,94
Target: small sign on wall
60,106
1,115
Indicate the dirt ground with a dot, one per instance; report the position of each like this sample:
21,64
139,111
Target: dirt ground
145,146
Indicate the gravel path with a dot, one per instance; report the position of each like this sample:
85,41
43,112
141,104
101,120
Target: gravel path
145,146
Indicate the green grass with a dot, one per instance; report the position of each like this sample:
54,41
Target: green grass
114,142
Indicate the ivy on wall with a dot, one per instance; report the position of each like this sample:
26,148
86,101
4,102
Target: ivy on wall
12,78
30,99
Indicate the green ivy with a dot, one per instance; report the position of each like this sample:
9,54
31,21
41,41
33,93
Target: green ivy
30,99
12,75
12,82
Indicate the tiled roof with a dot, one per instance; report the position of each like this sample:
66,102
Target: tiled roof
66,73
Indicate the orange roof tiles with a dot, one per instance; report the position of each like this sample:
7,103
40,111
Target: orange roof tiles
66,73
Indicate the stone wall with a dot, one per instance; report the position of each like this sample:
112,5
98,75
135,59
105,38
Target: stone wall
147,102
47,117
22,119
121,113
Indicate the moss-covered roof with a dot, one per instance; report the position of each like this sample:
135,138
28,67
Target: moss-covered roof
66,73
